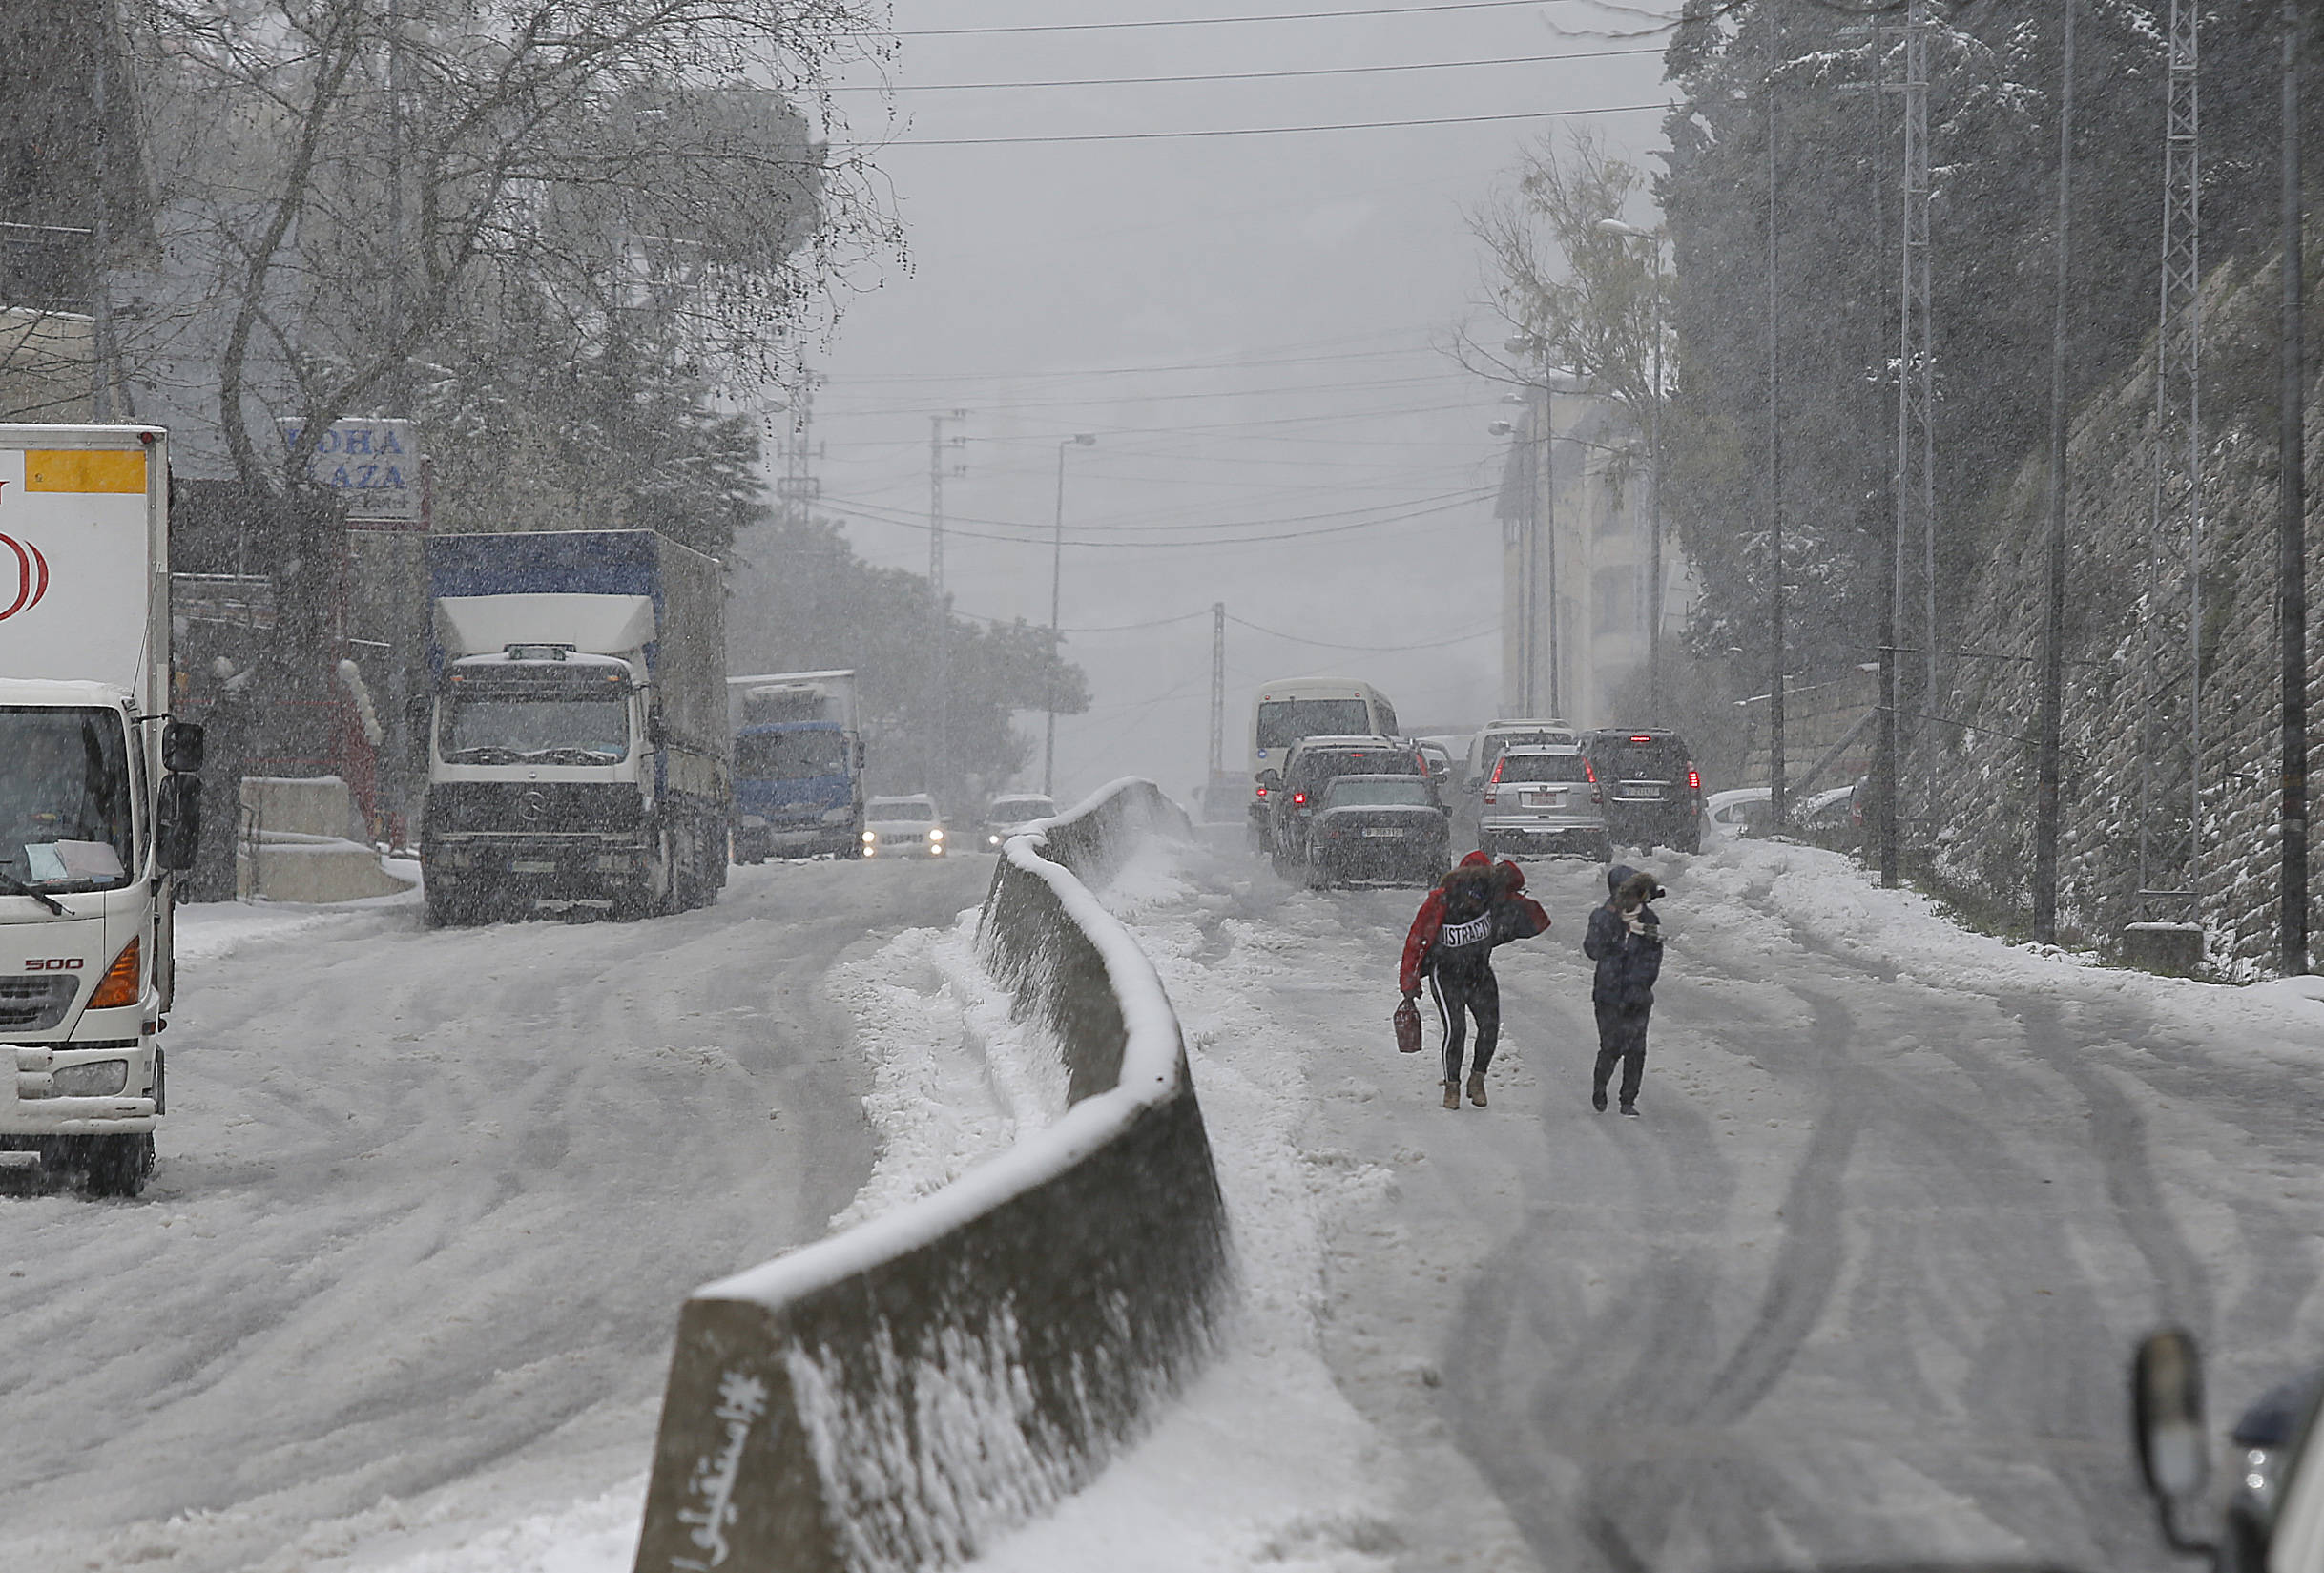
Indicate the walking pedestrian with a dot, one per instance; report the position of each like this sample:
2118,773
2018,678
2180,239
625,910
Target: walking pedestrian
1625,939
1478,905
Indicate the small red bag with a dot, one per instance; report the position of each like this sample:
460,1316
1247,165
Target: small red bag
1408,1028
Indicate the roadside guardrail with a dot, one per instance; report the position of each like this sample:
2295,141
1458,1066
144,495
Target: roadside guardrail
895,1396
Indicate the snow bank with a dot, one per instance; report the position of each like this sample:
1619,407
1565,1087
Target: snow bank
897,1396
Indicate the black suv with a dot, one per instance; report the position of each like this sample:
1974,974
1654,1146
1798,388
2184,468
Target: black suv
1653,793
1298,794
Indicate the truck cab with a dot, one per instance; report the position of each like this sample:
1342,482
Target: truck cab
798,766
100,807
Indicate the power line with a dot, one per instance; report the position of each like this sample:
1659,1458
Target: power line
881,517
1130,522
1262,130
1213,21
1369,650
1233,365
1235,75
1073,400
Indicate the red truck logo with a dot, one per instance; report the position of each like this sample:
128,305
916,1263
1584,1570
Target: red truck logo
31,575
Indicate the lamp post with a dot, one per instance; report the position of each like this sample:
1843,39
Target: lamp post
1540,537
1654,575
1049,746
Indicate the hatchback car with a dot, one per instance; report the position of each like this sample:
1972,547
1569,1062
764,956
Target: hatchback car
1544,798
1379,827
1014,814
1654,791
904,827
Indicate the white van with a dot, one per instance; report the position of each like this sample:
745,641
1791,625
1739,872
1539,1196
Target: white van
1495,735
1293,708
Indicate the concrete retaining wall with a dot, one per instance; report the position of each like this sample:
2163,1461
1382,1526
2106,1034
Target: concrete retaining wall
895,1396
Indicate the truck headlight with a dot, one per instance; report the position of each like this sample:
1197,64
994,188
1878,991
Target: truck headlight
94,1078
937,835
870,837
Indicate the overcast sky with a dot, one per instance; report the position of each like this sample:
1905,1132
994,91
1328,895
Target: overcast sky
1254,328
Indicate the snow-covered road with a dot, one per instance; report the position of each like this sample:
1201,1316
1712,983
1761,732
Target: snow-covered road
1862,1281
426,1207
1860,1284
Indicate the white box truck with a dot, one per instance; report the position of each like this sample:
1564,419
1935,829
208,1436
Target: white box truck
100,806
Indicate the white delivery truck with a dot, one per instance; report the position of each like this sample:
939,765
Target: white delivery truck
100,807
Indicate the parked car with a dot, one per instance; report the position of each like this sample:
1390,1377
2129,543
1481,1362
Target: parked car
1738,811
1544,799
1379,827
1014,815
1297,793
1486,746
1831,812
904,827
1654,791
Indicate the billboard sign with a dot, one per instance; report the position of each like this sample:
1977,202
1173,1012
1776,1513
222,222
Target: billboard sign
372,467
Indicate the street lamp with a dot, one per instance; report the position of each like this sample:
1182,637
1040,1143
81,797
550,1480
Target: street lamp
1048,747
1653,237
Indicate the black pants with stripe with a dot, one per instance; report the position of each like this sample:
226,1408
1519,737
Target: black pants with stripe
1460,995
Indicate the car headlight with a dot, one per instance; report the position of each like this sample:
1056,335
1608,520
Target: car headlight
92,1079
994,839
869,837
937,835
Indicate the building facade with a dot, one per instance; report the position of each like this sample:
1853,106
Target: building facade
1577,560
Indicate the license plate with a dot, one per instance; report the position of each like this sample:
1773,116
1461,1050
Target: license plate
1544,800
1382,831
1641,793
531,865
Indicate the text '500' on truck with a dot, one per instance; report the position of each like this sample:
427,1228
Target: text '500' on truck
798,766
578,745
95,818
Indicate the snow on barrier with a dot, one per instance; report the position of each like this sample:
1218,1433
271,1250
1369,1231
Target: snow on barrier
893,1397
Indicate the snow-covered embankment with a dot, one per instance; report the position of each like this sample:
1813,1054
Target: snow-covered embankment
894,1396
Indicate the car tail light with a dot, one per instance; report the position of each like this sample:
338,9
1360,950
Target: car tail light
1262,792
120,985
1497,764
1491,796
1299,799
1695,779
1588,773
1640,737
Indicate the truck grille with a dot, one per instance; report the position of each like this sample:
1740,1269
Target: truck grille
34,1004
534,807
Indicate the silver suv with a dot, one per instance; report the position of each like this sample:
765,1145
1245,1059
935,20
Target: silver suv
1543,797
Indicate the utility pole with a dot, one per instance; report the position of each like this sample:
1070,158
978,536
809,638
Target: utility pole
1778,808
2292,546
1049,743
1218,693
2053,616
939,612
1916,411
1549,542
100,226
2170,697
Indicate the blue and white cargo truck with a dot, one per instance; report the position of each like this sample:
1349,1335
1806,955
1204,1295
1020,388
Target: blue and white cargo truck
99,804
578,749
798,766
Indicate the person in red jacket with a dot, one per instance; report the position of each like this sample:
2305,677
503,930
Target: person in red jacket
1478,905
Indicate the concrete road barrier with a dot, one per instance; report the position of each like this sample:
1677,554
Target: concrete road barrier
895,1396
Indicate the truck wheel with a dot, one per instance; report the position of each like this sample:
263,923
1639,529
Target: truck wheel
118,1165
650,894
445,906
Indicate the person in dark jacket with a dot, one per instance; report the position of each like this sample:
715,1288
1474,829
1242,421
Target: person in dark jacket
1625,939
1478,905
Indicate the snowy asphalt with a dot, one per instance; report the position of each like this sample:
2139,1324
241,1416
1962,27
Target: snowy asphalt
426,1206
1860,1284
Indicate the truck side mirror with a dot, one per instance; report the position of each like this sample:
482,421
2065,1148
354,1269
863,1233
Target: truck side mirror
2166,1418
182,746
176,822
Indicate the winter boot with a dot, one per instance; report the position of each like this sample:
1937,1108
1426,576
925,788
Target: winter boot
1452,1094
1597,1099
1475,1087
1631,1109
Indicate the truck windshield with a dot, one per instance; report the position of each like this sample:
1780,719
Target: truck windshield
789,756
1283,722
482,726
65,799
